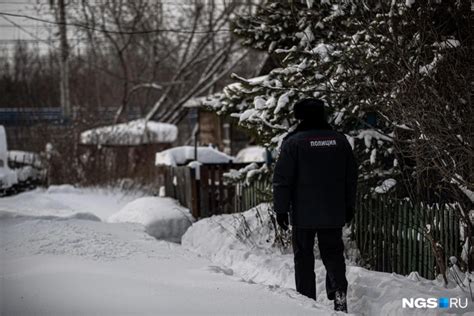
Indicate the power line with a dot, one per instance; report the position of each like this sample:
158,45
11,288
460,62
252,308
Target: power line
170,3
14,24
24,25
18,3
103,30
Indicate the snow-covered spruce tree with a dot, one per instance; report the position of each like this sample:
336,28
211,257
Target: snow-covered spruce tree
377,65
312,45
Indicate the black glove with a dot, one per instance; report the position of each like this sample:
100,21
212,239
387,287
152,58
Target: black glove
282,220
349,214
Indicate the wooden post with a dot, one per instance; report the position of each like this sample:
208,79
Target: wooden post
204,192
194,183
391,240
405,239
366,225
64,65
212,191
221,207
420,241
424,250
409,240
396,235
370,227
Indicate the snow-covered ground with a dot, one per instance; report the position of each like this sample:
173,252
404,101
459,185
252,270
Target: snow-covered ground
244,245
66,200
89,251
59,256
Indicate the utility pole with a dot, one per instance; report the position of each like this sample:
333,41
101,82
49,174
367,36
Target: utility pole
64,65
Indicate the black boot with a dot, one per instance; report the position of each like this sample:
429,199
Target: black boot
340,301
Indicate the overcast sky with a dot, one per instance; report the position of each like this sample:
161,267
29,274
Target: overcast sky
17,28
43,34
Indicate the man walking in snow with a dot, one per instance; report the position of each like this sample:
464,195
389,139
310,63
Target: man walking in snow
314,189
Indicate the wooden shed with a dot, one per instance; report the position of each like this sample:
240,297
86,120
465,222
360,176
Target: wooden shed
125,150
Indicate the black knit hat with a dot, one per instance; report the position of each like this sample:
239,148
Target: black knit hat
310,109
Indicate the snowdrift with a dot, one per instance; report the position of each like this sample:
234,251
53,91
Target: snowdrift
66,200
163,218
246,242
243,245
5,215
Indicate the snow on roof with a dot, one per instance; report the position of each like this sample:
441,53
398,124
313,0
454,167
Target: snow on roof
252,154
131,133
184,154
194,102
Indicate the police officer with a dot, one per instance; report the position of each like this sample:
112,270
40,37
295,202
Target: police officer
314,189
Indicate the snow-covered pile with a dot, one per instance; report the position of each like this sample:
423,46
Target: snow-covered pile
163,218
184,154
238,244
27,173
8,178
131,133
66,200
252,154
64,188
25,158
27,165
246,242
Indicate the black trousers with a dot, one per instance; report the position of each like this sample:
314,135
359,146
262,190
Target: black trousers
331,248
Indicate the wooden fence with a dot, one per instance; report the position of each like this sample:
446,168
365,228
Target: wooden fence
392,235
206,192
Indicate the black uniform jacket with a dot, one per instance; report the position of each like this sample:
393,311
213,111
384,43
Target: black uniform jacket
315,179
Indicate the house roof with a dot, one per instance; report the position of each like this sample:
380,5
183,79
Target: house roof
131,133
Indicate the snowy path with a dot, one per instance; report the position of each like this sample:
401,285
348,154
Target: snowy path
244,243
57,266
61,254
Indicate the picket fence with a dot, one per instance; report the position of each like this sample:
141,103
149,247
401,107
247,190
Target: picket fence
206,192
392,235
400,236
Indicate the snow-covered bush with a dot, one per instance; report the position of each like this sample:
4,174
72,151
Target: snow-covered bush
396,79
358,59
